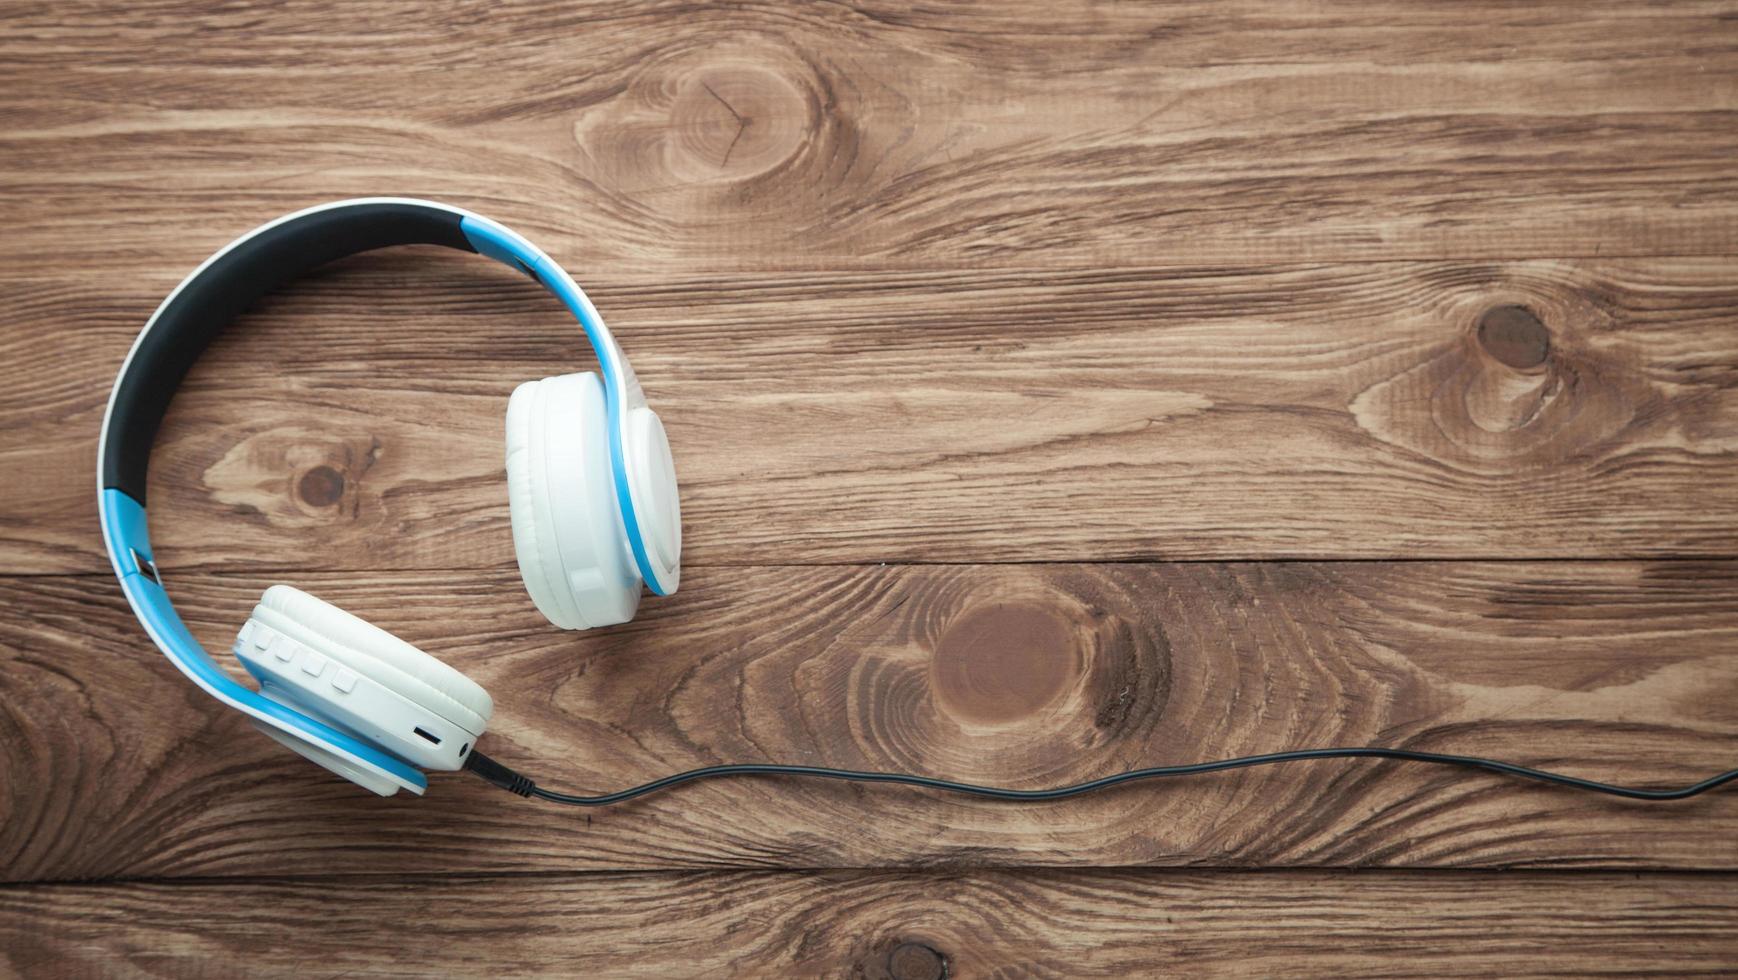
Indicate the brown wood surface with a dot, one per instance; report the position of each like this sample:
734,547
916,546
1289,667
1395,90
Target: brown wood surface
1055,389
1023,674
876,925
1342,411
695,138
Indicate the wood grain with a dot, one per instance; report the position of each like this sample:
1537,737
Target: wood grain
1323,412
692,139
886,925
1021,675
1065,312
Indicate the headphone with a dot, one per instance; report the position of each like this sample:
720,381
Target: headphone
591,489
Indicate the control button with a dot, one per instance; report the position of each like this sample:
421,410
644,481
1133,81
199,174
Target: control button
344,680
285,651
313,664
263,639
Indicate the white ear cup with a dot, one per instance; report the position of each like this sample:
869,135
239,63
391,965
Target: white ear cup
373,652
567,531
353,675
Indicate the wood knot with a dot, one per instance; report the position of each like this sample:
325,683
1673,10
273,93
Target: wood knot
1514,336
744,134
1000,664
1493,390
916,961
321,486
1024,676
736,121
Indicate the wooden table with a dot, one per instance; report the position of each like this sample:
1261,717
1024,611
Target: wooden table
1055,389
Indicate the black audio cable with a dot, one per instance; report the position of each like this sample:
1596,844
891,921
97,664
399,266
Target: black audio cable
513,782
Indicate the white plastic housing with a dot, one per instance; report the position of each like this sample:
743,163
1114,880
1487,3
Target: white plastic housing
300,677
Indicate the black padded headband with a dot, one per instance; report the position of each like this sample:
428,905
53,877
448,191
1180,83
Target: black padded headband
224,288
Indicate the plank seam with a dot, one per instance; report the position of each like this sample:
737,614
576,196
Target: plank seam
220,571
936,871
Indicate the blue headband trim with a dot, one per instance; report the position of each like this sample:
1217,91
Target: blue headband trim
125,533
504,246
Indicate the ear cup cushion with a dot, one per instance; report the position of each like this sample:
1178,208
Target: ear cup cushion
534,543
567,528
378,655
652,475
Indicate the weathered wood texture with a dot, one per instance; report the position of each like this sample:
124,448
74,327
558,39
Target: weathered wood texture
1029,301
1027,675
1338,411
886,925
693,138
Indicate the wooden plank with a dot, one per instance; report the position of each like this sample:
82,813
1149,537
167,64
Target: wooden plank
696,139
903,924
1321,412
1364,285
1018,675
